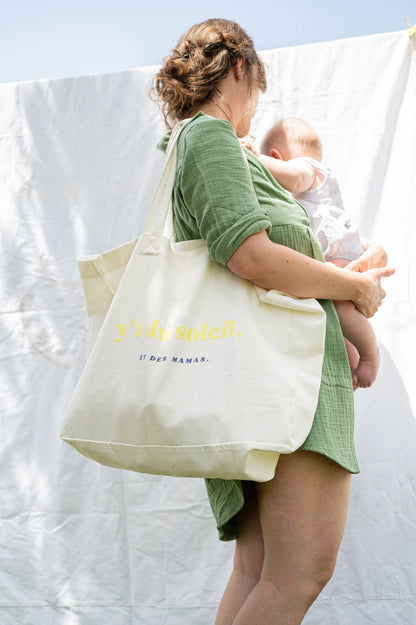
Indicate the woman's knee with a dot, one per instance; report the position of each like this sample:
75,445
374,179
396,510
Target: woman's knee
303,579
320,576
303,588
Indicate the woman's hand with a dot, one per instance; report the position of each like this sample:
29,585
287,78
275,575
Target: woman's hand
374,255
370,298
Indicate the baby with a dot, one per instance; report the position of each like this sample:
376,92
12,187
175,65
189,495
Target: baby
292,152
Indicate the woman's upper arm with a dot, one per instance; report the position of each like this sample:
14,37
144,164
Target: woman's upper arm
250,256
217,188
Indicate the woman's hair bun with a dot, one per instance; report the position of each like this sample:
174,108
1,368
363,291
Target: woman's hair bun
190,75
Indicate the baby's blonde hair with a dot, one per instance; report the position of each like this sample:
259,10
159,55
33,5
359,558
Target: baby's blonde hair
295,136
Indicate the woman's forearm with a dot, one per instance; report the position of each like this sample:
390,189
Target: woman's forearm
274,266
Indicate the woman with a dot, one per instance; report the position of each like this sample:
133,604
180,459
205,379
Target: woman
287,530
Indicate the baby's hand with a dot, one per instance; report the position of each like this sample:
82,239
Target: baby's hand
249,145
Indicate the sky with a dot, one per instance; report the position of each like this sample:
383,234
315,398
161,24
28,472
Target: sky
60,38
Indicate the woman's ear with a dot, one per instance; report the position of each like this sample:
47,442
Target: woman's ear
276,154
238,69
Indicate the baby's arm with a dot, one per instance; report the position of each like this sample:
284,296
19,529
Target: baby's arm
296,175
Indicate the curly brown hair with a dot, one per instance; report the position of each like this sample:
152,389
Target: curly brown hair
190,75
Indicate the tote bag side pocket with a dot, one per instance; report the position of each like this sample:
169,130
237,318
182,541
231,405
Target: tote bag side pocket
100,277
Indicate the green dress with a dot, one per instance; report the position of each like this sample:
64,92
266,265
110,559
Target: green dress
218,198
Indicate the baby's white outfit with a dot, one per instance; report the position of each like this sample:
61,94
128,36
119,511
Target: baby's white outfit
338,237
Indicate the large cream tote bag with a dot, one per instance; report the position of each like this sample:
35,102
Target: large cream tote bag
192,371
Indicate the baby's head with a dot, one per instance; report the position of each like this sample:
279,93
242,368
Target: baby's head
290,138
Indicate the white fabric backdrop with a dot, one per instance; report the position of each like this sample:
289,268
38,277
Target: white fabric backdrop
82,544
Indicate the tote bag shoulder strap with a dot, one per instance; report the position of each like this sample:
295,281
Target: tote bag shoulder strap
159,213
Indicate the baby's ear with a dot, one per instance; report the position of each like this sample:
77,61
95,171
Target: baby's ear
276,154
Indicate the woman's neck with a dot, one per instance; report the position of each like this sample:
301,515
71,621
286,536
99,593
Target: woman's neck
221,112
215,109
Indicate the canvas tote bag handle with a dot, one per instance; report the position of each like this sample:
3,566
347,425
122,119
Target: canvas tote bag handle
107,268
159,216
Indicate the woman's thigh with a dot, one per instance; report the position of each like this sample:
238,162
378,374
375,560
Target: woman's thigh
249,550
302,514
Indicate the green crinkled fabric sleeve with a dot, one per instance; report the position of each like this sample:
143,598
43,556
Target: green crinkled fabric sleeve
213,189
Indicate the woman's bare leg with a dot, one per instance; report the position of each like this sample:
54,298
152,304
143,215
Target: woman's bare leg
248,558
302,514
